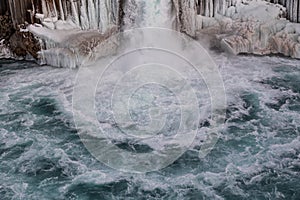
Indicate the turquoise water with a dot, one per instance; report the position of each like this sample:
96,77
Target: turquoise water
256,157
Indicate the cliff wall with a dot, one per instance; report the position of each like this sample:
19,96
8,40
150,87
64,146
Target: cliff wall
190,16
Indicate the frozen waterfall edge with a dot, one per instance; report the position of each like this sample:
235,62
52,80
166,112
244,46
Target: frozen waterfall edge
43,28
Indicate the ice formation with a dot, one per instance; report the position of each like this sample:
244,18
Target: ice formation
239,26
73,48
72,31
83,14
210,8
256,27
185,11
243,26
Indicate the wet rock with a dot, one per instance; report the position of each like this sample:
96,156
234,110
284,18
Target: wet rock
6,27
24,43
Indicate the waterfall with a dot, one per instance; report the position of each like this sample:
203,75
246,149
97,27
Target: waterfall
145,13
156,13
103,16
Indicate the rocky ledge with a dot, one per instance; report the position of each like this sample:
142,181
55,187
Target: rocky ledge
17,42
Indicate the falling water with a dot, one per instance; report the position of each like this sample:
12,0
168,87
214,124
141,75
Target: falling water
155,13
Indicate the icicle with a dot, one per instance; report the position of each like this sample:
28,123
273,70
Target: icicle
288,8
211,8
61,10
216,7
92,15
75,14
55,11
66,9
32,13
98,14
114,4
298,12
103,16
206,8
223,7
291,9
201,5
294,11
109,14
44,8
33,7
85,24
49,11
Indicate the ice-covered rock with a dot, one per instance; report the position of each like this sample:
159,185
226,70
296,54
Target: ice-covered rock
73,48
257,10
186,16
242,26
262,39
72,31
73,36
255,27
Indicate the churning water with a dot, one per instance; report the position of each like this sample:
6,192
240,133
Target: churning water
256,157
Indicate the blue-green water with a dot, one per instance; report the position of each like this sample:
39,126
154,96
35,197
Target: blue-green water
257,156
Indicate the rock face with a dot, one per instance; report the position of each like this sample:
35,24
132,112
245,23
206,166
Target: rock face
240,26
6,27
16,42
19,11
6,30
3,7
89,20
23,43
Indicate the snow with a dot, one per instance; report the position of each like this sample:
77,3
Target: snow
57,36
39,16
23,30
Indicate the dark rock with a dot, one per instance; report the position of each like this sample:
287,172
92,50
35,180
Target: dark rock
20,43
6,27
24,43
